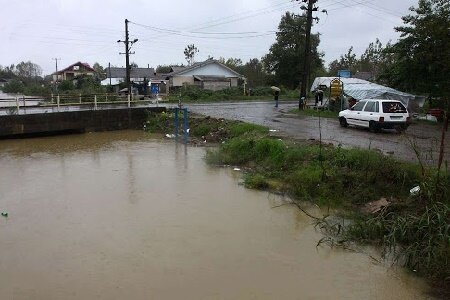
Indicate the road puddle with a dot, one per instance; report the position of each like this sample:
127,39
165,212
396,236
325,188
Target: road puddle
119,215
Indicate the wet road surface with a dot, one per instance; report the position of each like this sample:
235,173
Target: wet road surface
425,136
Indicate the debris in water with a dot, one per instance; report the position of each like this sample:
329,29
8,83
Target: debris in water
236,169
414,191
4,214
375,206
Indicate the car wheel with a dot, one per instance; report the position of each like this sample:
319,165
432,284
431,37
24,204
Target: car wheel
373,126
343,122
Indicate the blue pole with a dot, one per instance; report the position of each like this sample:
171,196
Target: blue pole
176,123
185,125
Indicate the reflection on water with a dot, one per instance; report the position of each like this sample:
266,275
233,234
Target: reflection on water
119,215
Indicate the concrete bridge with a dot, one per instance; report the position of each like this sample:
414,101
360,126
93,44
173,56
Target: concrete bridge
46,123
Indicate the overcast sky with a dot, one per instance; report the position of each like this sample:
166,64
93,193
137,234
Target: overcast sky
88,30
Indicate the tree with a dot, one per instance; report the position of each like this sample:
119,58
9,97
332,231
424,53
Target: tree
285,57
346,62
100,72
189,53
28,70
163,69
14,86
253,70
422,54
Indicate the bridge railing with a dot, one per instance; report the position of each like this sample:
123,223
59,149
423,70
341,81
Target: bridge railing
59,103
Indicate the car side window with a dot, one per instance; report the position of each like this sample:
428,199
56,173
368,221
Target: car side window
370,107
359,106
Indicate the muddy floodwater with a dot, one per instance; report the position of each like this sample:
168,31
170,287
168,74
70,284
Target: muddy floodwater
122,215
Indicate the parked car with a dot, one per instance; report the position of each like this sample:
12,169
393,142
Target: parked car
376,114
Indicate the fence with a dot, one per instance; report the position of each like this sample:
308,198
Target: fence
57,103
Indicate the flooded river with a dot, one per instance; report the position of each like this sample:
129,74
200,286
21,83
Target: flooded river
120,215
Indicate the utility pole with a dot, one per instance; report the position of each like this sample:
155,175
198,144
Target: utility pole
56,73
127,53
307,56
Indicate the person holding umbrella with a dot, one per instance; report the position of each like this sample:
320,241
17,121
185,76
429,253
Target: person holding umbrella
276,94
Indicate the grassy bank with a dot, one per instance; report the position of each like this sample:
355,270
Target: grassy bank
412,230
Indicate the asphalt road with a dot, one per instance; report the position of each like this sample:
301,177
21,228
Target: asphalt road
425,137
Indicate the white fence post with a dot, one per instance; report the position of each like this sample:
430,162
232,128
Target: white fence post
57,101
80,98
17,105
129,99
95,102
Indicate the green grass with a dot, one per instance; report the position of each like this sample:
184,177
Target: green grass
316,113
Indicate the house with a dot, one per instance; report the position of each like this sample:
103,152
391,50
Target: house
210,75
73,71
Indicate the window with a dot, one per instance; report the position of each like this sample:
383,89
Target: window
370,107
359,106
76,68
393,107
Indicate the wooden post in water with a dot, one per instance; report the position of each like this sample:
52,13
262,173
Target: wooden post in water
185,125
176,123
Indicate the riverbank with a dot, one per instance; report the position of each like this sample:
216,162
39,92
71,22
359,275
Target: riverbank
370,191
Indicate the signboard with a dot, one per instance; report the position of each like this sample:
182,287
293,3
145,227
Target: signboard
344,73
336,88
155,89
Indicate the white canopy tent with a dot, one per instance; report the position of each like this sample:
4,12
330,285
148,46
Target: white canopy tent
363,89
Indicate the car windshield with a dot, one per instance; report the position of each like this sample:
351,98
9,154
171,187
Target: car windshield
393,107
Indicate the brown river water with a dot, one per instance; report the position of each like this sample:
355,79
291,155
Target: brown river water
123,215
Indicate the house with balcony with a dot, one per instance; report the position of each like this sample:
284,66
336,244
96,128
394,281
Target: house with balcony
72,71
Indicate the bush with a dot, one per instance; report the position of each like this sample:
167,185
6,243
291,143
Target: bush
14,86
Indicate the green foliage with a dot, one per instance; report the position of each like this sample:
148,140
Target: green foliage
66,85
375,59
285,57
163,69
240,129
14,86
316,113
326,175
256,181
34,89
159,122
422,53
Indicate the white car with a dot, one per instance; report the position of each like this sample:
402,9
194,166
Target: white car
376,114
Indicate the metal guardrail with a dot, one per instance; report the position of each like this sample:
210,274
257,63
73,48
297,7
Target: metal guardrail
60,103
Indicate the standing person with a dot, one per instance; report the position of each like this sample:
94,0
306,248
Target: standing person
276,94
